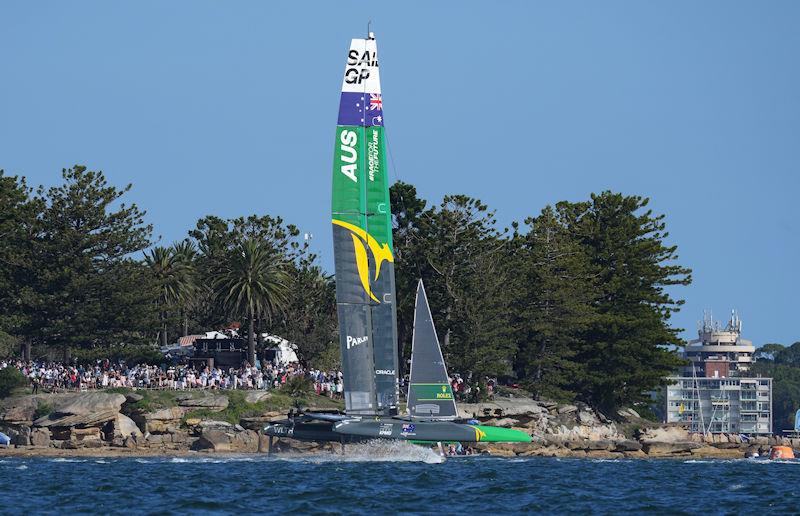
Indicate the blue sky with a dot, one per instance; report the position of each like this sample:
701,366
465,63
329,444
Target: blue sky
229,108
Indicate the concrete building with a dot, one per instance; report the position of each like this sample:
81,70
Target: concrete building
711,394
718,352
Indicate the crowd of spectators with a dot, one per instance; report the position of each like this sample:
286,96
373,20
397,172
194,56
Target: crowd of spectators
106,374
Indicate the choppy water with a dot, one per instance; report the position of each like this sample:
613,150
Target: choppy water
380,479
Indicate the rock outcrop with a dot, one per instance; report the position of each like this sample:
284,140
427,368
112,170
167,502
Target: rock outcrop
84,410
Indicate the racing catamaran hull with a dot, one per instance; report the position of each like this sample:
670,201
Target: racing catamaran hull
362,429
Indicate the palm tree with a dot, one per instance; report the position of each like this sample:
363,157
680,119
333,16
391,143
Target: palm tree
252,283
175,281
185,253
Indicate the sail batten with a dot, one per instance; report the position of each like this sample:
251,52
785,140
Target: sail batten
362,235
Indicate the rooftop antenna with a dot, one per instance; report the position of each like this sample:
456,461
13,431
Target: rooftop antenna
370,35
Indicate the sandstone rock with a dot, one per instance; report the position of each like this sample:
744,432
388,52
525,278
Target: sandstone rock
214,403
587,418
257,396
18,411
603,454
501,407
506,422
192,421
254,423
712,451
727,446
628,413
124,426
627,446
655,448
669,434
638,454
500,452
567,409
600,445
167,414
19,435
245,441
89,433
215,440
158,439
40,437
211,423
92,443
85,409
162,427
179,437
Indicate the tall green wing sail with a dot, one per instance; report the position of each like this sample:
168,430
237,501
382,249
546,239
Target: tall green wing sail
362,240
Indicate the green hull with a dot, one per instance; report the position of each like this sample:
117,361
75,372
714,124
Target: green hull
494,434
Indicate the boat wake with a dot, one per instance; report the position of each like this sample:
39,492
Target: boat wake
378,450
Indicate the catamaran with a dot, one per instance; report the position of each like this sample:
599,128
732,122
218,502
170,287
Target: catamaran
365,295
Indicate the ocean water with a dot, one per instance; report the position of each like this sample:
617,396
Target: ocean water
392,479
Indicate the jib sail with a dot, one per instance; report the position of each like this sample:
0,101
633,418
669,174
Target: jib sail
430,395
362,240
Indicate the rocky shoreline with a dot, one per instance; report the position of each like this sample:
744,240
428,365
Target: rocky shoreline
176,423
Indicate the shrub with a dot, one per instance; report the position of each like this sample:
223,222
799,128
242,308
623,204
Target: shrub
297,387
10,379
43,409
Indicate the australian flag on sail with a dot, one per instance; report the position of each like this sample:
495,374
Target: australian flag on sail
360,109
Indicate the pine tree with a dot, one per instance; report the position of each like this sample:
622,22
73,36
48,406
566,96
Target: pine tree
80,257
626,350
556,305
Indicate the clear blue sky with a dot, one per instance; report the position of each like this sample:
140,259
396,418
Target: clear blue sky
229,108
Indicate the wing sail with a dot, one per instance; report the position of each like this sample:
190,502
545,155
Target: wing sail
430,395
362,235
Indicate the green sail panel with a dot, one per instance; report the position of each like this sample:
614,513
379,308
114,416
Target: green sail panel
362,236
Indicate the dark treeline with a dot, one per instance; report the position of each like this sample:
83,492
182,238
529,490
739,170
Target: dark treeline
572,304
782,364
80,275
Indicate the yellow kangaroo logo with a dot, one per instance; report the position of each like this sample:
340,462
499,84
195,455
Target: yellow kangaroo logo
380,252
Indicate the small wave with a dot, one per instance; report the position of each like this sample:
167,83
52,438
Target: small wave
178,460
736,487
143,461
101,461
64,459
23,466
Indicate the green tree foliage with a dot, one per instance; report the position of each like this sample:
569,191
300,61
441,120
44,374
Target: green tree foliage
556,306
174,275
251,282
80,260
19,214
464,262
782,364
310,315
579,306
624,352
10,379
